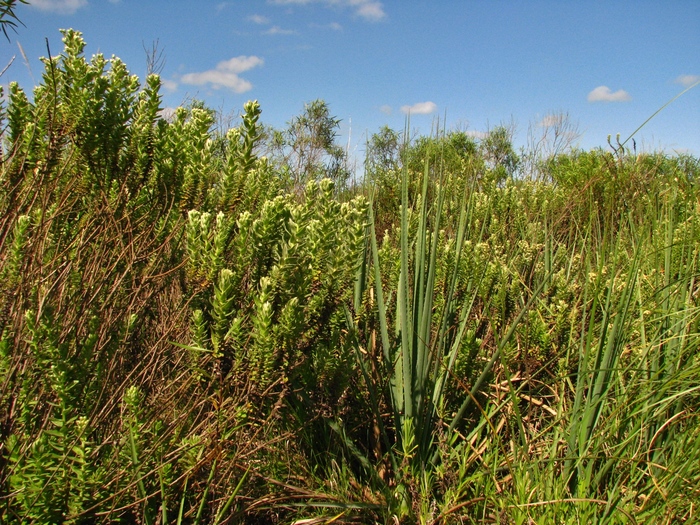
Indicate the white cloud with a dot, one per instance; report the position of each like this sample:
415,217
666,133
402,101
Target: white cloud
687,80
167,113
335,26
259,19
226,74
682,151
240,64
479,135
168,85
277,30
604,94
370,10
386,109
65,7
421,108
551,120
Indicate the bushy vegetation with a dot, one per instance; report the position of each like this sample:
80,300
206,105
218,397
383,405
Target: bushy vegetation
194,333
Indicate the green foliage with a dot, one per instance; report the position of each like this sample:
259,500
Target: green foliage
497,149
246,180
190,333
307,148
383,150
8,18
91,188
271,290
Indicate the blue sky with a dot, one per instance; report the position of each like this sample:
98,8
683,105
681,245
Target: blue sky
481,63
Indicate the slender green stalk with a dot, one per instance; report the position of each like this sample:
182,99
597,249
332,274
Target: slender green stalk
660,110
205,494
226,506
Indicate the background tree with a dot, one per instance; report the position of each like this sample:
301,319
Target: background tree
383,151
499,154
307,148
155,58
554,135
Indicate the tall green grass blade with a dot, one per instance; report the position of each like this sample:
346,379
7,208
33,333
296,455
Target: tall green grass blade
163,497
660,110
205,494
393,365
403,313
488,367
225,508
183,497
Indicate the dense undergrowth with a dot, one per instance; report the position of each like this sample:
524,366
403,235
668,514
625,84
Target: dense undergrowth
190,335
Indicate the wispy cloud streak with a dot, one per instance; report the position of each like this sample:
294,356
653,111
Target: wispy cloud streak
370,10
226,74
420,108
605,94
64,7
